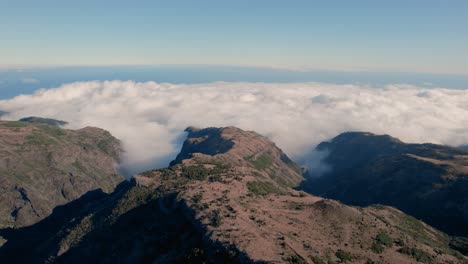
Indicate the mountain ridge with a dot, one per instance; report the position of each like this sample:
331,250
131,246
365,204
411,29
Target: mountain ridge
44,166
424,180
233,206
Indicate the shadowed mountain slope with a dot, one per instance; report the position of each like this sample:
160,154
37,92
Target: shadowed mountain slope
427,181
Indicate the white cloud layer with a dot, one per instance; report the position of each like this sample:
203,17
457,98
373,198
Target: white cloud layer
149,117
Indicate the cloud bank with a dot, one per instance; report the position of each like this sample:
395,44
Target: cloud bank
149,117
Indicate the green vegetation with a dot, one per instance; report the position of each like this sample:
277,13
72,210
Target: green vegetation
263,188
384,239
400,242
414,228
197,198
166,173
105,145
262,162
195,172
39,139
52,130
295,259
215,218
343,256
200,172
317,260
377,248
134,197
14,124
215,178
76,234
418,254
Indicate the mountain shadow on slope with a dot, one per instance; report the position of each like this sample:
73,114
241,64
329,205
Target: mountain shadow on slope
207,141
427,181
155,228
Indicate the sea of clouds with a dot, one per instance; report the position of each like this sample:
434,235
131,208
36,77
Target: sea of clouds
150,117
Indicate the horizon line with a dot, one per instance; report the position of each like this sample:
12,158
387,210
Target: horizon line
17,67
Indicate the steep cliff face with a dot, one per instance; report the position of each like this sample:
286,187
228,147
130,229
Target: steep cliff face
43,166
226,201
427,181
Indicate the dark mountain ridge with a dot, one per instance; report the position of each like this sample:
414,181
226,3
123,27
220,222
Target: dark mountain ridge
41,120
427,181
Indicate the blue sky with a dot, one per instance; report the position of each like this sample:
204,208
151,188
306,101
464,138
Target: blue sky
396,36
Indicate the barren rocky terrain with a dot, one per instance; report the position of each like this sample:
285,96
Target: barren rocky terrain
227,198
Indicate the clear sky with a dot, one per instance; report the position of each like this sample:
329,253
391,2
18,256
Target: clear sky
402,36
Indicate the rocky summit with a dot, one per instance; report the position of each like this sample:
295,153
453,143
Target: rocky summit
226,198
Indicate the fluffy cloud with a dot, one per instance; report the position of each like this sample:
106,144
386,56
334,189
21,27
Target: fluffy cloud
149,117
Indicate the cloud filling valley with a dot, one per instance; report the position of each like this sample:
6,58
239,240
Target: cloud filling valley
150,117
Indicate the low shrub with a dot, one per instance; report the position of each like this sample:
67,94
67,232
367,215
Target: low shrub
343,256
377,248
384,239
418,254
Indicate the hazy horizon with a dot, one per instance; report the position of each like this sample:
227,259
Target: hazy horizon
27,80
397,36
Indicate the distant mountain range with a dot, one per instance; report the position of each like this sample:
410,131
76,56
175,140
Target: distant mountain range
40,120
427,181
228,197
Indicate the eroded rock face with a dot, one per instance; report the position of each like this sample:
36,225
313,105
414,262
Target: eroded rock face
229,206
44,166
427,181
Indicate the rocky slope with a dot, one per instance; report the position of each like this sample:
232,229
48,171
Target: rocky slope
225,199
427,181
43,166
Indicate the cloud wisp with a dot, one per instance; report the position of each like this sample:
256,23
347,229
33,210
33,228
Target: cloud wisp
29,80
149,117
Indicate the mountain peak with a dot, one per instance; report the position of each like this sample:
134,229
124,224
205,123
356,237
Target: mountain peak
240,148
355,137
